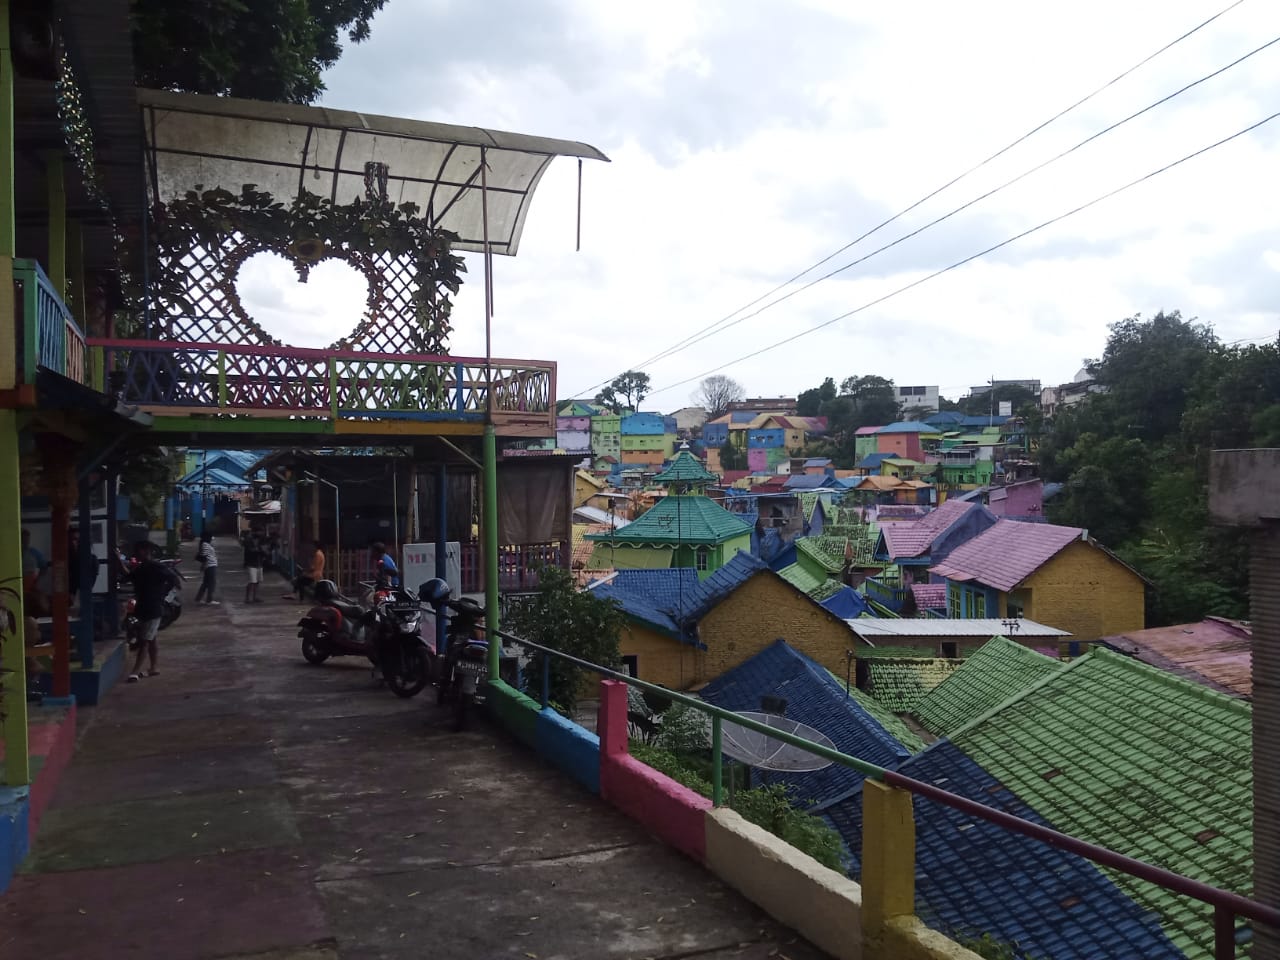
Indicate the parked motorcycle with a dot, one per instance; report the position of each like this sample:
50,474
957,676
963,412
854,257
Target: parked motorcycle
336,626
462,675
406,659
387,632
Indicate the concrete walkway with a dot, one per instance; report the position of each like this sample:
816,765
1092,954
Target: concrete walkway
246,804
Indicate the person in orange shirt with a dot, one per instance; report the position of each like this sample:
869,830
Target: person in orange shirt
307,579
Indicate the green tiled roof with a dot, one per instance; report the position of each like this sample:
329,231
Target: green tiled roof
808,501
827,589
1125,755
800,578
812,548
681,519
901,683
998,670
685,468
885,717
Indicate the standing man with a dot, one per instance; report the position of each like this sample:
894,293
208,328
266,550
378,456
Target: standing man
253,568
152,582
384,566
208,558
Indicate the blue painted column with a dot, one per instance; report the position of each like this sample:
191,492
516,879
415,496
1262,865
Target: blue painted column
113,546
442,547
88,576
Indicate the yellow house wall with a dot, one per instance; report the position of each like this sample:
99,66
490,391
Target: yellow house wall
659,659
760,611
1086,592
583,491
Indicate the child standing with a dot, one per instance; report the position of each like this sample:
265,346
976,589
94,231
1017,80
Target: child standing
253,568
208,558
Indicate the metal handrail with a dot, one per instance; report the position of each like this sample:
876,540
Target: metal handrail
1226,905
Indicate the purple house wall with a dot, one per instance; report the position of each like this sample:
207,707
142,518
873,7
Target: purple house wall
1025,499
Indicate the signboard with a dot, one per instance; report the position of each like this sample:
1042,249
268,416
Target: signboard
1006,408
419,565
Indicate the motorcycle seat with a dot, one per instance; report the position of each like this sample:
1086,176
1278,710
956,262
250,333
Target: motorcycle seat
349,609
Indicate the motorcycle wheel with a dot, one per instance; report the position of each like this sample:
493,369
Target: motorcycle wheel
411,677
460,712
312,652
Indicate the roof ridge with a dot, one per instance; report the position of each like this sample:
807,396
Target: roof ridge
1009,701
1199,690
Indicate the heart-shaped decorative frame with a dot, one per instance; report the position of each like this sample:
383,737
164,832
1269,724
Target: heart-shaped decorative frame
203,239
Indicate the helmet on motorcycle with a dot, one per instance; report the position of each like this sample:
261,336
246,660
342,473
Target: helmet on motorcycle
325,591
435,592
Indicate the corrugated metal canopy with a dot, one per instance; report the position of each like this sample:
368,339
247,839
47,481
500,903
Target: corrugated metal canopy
285,148
940,627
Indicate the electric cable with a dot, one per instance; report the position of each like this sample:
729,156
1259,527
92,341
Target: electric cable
969,259
1003,150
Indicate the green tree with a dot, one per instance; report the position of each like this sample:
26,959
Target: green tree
263,50
626,392
809,403
147,477
573,621
732,457
875,401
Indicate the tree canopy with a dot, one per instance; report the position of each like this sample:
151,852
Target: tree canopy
264,50
1134,460
716,392
626,392
859,402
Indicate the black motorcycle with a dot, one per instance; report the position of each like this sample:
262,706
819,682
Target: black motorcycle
465,671
404,657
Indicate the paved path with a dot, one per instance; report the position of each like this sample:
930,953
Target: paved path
245,804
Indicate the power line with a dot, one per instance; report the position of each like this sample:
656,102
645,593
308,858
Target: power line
964,206
972,257
929,196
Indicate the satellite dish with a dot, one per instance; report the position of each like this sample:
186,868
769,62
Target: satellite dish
760,750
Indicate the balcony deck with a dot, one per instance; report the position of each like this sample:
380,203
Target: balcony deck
283,390
330,819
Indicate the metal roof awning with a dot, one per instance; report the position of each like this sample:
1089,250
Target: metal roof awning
192,139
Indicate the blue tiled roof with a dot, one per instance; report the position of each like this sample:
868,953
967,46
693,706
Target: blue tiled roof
807,482
847,604
667,588
640,607
872,461
741,567
742,416
818,462
816,698
973,877
909,426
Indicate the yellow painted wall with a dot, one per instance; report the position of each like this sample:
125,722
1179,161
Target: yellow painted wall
1086,592
584,489
659,659
760,611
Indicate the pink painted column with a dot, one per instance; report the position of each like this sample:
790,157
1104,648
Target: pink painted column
611,723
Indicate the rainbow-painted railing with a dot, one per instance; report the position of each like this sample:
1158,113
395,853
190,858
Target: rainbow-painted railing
51,338
885,901
179,378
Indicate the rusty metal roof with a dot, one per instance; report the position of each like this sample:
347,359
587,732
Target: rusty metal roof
1216,652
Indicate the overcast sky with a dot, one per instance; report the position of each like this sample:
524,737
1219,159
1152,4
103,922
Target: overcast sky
751,138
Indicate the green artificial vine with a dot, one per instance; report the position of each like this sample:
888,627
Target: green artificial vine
375,237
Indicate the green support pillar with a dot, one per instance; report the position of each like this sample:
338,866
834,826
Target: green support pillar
490,524
13,681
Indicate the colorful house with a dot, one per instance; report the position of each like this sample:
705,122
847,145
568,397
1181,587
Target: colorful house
947,638
914,545
908,439
1127,756
1022,499
606,435
587,489
647,438
682,529
1052,574
865,442
681,632
573,434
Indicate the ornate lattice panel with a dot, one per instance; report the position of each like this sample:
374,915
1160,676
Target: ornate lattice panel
201,304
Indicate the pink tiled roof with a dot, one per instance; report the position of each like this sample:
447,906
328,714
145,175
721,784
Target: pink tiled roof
1006,554
914,537
930,596
1216,652
866,431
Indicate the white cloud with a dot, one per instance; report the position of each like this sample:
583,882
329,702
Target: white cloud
750,139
